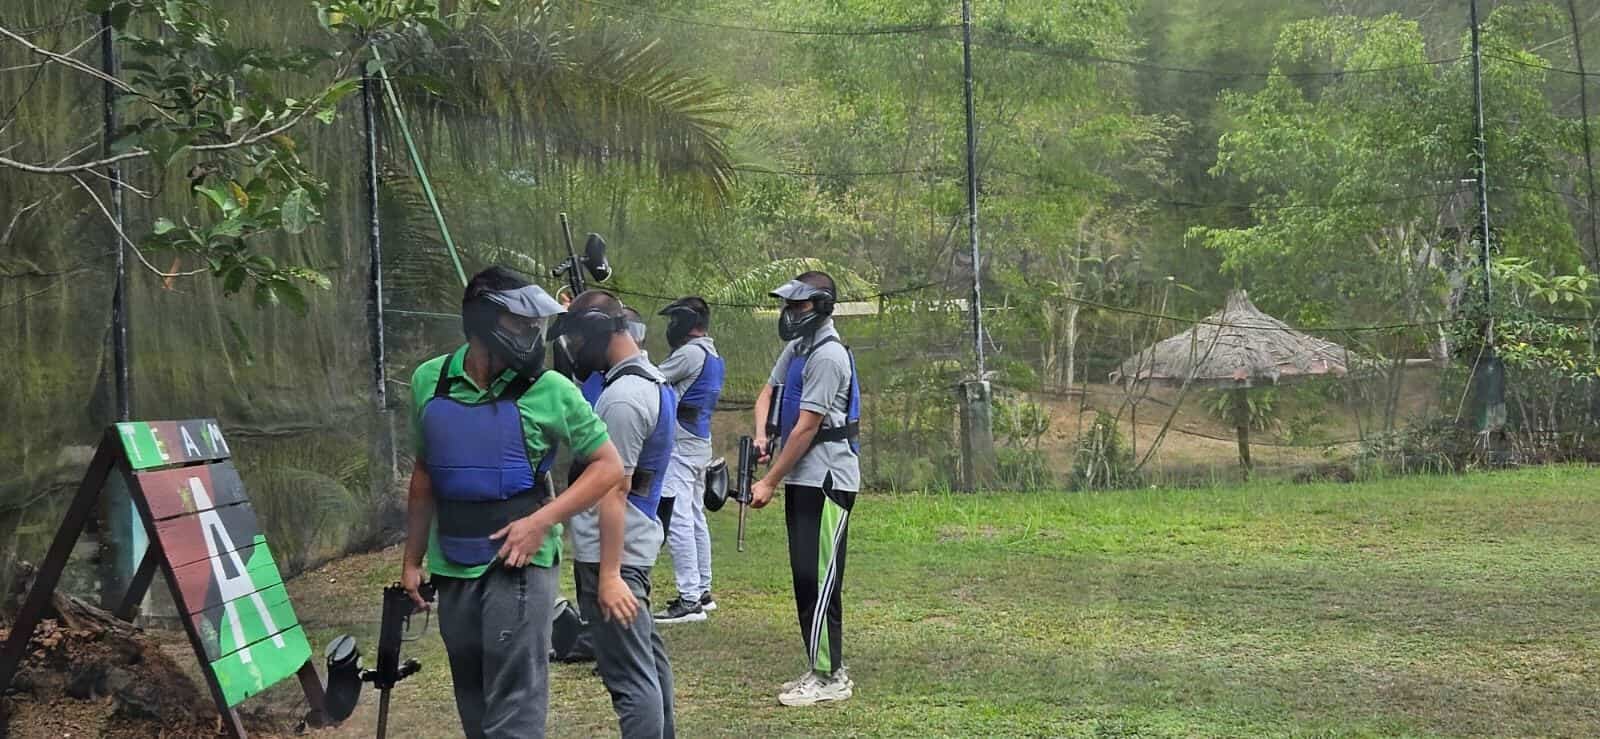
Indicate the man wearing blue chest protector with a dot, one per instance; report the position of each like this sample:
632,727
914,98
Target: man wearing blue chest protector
613,573
487,421
818,462
695,370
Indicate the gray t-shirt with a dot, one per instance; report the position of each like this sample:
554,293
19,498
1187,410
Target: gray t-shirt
681,368
630,407
825,389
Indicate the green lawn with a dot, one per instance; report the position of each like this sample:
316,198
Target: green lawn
1423,606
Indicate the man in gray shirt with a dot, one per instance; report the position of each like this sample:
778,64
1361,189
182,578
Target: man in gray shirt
696,371
613,573
818,404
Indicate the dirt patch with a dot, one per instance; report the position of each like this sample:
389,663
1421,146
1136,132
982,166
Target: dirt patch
88,677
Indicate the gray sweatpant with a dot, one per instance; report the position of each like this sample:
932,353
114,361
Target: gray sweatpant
496,631
631,659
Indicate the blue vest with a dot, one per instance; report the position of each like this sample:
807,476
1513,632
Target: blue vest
650,471
789,401
482,475
700,398
591,387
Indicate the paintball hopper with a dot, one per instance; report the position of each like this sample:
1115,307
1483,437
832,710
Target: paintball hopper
593,260
716,493
345,673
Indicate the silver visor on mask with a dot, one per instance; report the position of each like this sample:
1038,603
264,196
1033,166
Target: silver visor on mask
797,290
530,301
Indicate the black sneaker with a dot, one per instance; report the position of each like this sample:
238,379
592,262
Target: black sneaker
680,611
706,603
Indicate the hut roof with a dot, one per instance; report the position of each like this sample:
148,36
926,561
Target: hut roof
1236,347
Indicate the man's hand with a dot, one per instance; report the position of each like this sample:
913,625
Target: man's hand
761,493
523,537
411,580
616,600
763,448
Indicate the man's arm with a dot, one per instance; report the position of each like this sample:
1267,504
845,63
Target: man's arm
603,471
681,365
616,599
419,517
763,407
795,447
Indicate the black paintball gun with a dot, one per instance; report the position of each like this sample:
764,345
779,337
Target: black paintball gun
345,674
746,478
593,260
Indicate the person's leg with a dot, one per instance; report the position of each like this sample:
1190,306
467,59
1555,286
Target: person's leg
827,653
702,536
624,655
516,638
459,613
680,536
802,513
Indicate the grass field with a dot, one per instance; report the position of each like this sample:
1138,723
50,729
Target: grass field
1423,606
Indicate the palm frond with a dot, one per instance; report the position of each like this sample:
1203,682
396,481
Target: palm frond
523,86
752,287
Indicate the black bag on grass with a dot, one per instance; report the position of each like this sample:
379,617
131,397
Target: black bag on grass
570,640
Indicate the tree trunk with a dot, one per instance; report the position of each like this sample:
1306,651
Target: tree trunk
1072,344
1241,420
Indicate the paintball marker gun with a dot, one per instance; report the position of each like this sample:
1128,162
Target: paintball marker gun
593,260
345,674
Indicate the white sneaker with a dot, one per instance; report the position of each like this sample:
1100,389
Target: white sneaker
843,673
813,690
795,683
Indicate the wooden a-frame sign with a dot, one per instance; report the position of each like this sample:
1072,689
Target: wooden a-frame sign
204,537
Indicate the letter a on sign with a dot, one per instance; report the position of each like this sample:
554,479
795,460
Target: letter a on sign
233,586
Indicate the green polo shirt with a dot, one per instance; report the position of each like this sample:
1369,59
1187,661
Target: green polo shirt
553,411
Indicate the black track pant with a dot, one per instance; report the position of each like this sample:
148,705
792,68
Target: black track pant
817,520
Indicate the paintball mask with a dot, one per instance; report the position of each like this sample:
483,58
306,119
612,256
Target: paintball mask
583,340
795,322
681,319
513,323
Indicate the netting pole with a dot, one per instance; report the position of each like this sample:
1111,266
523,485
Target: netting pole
118,537
1588,171
1490,377
381,462
977,422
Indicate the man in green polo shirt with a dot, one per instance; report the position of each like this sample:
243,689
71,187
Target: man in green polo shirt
487,422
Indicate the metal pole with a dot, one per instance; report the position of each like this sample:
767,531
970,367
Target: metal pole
1490,372
1481,143
384,455
120,535
1588,140
977,421
972,188
119,297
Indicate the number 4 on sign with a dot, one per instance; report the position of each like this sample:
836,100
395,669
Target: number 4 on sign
232,586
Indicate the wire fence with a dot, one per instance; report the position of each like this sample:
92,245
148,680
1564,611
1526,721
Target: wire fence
1085,267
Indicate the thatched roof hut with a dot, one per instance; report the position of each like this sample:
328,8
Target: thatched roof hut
1236,348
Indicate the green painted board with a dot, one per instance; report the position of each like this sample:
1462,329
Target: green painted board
260,665
227,627
209,582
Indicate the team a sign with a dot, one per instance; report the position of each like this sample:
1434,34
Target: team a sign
227,581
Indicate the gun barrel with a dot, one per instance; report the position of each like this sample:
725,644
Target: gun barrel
575,268
746,478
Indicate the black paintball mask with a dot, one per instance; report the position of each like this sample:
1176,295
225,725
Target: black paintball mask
682,318
513,324
583,340
794,321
